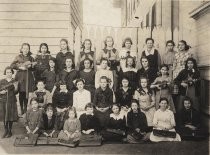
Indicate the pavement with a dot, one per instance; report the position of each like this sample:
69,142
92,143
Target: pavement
184,147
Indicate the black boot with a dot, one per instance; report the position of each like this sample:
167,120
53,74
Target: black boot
5,130
9,130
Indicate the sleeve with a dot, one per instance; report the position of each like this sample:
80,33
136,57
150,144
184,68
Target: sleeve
159,60
78,126
65,127
110,98
26,119
97,79
173,123
70,99
129,121
95,99
15,64
82,121
75,99
98,59
88,98
155,119
40,119
180,77
136,95
41,125
144,122
111,78
79,60
48,97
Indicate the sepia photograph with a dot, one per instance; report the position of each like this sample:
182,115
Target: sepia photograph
105,77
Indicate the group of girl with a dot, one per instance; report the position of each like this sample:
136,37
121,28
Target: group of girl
106,96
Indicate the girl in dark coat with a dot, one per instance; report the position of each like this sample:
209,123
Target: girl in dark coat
24,64
8,113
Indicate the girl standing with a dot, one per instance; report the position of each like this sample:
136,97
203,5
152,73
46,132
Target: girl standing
72,128
180,57
162,85
164,122
112,55
152,54
169,56
146,99
130,72
81,97
24,64
42,59
86,53
63,55
188,82
8,102
146,71
69,74
88,74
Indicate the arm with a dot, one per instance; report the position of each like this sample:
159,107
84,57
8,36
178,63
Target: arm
97,79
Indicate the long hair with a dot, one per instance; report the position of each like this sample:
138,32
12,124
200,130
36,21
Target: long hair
105,40
73,64
187,47
127,39
194,63
83,44
44,44
26,44
144,57
66,41
141,90
134,63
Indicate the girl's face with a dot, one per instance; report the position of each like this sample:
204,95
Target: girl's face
40,85
170,47
125,83
63,87
134,106
181,46
187,104
87,45
89,110
49,113
103,83
115,109
143,83
25,49
34,105
109,42
130,62
69,63
163,105
63,45
190,65
80,85
145,63
71,114
164,70
104,64
150,44
87,64
43,49
8,73
128,44
51,63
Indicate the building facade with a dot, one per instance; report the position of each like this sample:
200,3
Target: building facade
35,22
174,19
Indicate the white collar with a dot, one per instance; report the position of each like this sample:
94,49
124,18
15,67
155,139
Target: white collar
118,117
127,69
149,53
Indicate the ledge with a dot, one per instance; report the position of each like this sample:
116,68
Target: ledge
201,10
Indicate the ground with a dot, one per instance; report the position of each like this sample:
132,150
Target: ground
184,147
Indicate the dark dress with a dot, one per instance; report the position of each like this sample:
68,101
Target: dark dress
134,121
8,102
131,75
192,90
154,59
150,74
48,125
50,78
61,59
89,78
84,55
24,77
124,98
42,64
62,99
115,129
103,99
190,117
69,77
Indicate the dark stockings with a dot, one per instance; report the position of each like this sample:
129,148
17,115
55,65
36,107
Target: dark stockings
23,102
